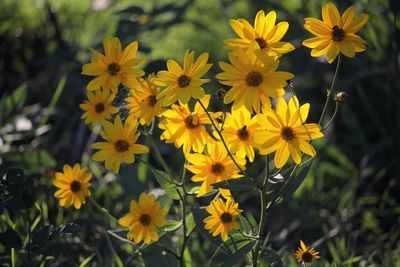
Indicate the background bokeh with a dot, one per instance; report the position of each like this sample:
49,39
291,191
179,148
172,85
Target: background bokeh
348,206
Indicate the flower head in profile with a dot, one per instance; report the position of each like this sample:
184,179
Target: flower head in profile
186,128
335,33
222,219
183,83
114,67
98,108
286,132
213,167
306,254
73,185
143,104
120,144
253,78
265,33
143,219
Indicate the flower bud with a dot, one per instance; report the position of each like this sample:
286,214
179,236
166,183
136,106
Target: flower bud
341,97
221,94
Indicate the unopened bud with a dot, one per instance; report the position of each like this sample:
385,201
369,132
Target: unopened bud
341,97
221,94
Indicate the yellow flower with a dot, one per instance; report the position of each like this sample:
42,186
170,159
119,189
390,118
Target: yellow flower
265,33
186,128
73,184
213,167
238,132
143,219
98,107
306,254
143,103
222,219
182,84
120,144
114,67
286,133
253,78
335,34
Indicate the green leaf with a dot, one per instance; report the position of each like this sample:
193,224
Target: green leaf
143,169
87,260
171,226
236,185
270,258
300,174
32,160
199,215
190,223
196,189
239,254
11,104
165,181
10,238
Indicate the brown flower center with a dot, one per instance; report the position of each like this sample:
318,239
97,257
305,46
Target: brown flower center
75,186
145,219
113,69
307,257
191,122
152,100
226,217
243,133
337,34
99,108
121,146
261,43
254,79
287,133
217,168
183,80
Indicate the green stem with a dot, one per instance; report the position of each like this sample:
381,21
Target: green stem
29,237
159,156
168,179
103,210
333,117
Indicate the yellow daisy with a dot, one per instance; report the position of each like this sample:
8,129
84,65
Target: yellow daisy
143,103
183,83
253,78
114,67
73,185
335,34
265,33
98,107
120,144
213,167
222,219
186,128
306,254
143,219
286,133
239,129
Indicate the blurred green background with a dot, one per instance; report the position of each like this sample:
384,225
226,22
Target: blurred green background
348,206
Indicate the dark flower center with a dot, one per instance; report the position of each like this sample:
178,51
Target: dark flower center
152,100
254,79
190,124
99,108
261,43
145,219
243,133
121,146
183,80
226,217
337,34
114,68
75,186
307,257
217,168
287,133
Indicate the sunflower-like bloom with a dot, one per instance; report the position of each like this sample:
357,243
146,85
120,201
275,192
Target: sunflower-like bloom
120,144
73,186
183,83
114,67
265,33
335,34
286,133
238,132
186,128
253,78
213,167
143,219
306,254
222,219
143,104
98,107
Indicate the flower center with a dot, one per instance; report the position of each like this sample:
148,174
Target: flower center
121,146
99,108
337,34
243,133
191,122
75,186
287,133
183,80
113,69
152,100
254,79
226,217
217,168
145,219
307,257
261,43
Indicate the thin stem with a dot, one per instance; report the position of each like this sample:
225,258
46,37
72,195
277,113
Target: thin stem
167,249
159,156
29,237
184,241
103,210
333,117
168,179
328,95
